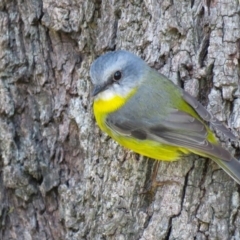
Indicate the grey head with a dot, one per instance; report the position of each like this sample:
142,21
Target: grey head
116,73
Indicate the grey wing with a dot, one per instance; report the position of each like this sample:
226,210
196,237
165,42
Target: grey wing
177,129
206,116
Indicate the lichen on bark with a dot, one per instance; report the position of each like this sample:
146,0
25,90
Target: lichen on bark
61,177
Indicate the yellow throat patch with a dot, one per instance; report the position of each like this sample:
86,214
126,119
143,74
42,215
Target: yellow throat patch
104,106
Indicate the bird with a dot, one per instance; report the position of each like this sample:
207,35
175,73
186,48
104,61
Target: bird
146,112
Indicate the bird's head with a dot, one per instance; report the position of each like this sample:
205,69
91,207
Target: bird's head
116,73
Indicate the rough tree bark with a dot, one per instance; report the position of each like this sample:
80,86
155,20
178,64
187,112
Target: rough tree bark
61,177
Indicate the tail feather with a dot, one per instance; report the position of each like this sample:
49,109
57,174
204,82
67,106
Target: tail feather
232,168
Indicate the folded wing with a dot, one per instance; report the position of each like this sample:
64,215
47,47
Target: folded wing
178,128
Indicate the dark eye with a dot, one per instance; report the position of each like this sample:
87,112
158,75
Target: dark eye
117,76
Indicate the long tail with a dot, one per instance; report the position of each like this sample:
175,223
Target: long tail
232,168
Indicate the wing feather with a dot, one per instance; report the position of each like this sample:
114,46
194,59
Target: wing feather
178,128
206,116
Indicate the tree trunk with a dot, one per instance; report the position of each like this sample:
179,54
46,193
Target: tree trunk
61,177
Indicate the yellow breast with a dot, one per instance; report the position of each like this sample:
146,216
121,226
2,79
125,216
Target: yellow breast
106,105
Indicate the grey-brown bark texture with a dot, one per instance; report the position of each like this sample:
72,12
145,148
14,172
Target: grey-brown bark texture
61,178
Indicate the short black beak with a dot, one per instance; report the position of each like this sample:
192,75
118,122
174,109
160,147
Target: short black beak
97,89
